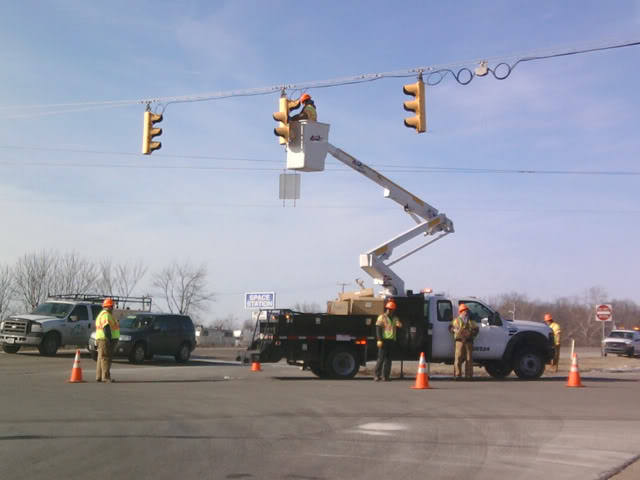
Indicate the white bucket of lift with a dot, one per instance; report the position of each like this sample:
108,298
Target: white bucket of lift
308,146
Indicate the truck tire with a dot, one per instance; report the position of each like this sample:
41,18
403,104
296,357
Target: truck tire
318,371
94,355
632,353
138,353
342,363
498,369
6,348
50,344
528,364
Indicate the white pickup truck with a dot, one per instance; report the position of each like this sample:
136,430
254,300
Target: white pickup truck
62,320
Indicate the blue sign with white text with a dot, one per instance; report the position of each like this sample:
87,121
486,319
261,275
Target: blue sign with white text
260,300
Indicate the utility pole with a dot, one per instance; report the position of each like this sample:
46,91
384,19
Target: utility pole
343,285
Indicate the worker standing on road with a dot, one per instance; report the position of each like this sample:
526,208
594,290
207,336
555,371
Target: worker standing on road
308,110
386,327
464,331
107,335
557,331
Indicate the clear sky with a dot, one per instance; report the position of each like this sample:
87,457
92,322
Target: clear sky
68,182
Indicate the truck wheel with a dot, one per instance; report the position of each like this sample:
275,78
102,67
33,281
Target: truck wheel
632,353
528,364
318,371
50,344
94,355
498,369
342,363
137,353
183,354
10,348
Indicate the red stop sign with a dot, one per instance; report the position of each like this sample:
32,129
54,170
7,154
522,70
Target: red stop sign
603,312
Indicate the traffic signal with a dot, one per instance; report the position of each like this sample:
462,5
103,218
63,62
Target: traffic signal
149,132
419,121
282,116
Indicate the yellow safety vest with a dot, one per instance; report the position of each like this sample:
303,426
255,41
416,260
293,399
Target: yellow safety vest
388,326
459,324
107,318
556,332
310,110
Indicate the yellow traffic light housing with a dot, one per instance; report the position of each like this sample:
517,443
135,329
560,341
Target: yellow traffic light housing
282,116
419,121
149,132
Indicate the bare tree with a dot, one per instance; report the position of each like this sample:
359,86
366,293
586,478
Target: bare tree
184,288
72,274
120,279
33,274
227,323
7,290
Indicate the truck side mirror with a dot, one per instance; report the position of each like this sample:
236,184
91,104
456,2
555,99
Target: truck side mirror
485,322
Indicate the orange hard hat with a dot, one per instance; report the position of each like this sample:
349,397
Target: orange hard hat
391,305
107,303
305,97
548,318
462,308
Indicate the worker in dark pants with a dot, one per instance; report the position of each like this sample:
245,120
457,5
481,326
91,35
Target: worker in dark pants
386,328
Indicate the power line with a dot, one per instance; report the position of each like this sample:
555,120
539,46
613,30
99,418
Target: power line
381,167
84,202
439,72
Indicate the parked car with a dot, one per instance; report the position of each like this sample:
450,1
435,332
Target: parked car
144,335
622,342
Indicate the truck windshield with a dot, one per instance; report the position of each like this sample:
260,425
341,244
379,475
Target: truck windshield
136,322
627,335
59,310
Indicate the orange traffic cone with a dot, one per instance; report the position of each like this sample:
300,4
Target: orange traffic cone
255,367
422,379
76,371
574,373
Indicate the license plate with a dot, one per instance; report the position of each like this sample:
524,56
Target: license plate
9,340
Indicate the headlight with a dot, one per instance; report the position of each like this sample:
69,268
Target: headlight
125,338
1,325
93,336
36,327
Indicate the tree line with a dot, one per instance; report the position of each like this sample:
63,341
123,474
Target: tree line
574,314
34,276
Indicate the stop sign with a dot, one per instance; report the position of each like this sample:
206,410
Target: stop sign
604,312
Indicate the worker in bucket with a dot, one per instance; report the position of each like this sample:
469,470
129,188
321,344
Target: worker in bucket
386,331
464,331
107,335
308,109
557,331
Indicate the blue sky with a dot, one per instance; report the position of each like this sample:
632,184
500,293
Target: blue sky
544,235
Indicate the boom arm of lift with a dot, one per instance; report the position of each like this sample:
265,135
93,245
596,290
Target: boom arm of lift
429,221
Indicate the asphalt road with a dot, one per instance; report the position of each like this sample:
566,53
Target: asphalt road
216,419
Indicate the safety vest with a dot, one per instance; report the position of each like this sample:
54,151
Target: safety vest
310,110
388,326
107,318
458,325
556,332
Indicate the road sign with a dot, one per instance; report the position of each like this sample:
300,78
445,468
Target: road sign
260,300
604,312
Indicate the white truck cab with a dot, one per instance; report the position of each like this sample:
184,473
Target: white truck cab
622,342
62,320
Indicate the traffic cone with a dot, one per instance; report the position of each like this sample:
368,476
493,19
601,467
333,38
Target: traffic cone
574,373
76,371
255,367
422,379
